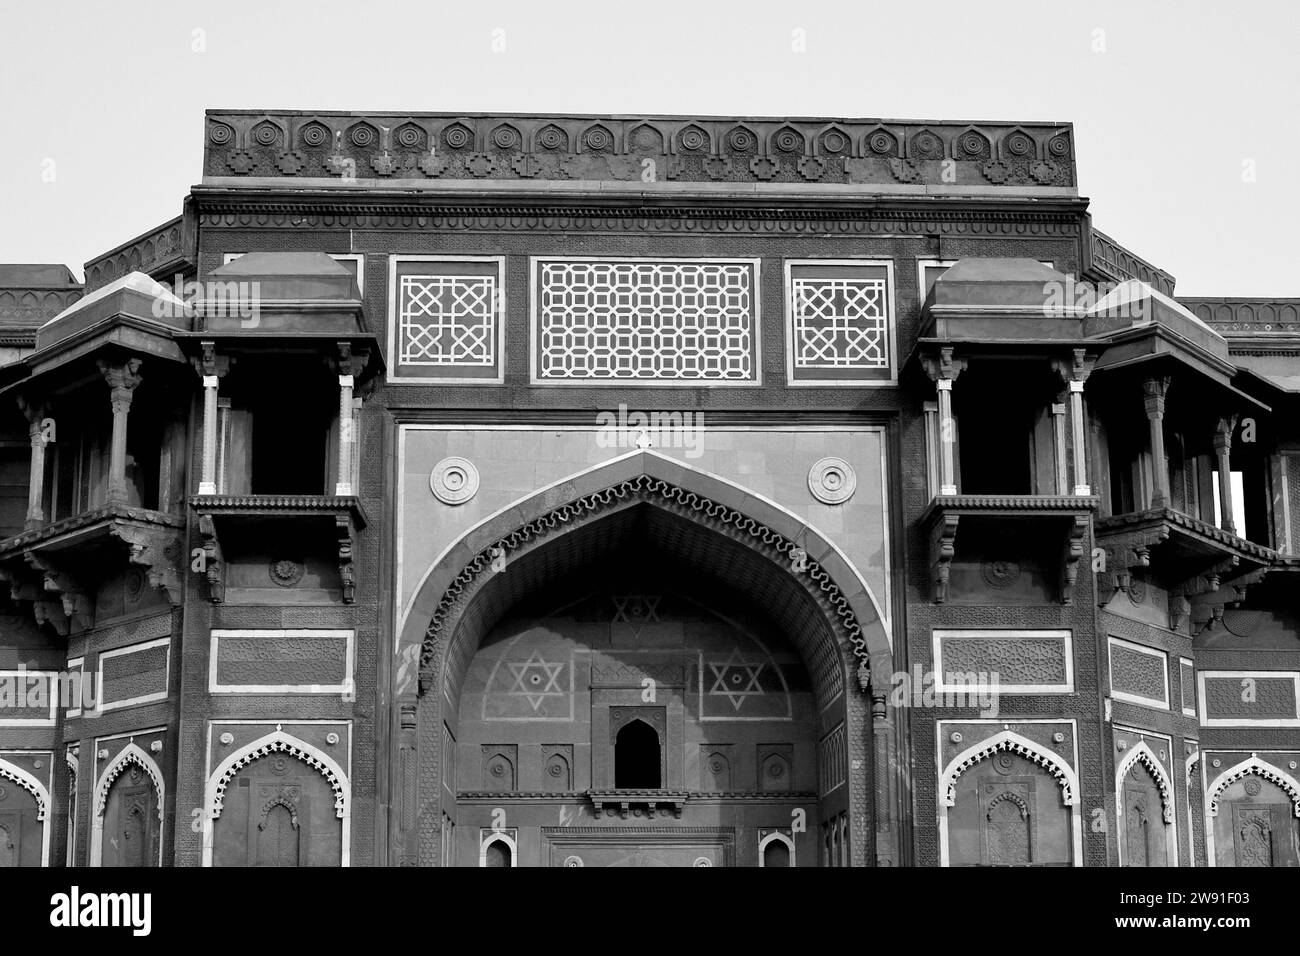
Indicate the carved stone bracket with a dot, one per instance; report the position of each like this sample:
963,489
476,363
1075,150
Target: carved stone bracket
216,512
943,547
71,594
1072,552
214,566
157,552
345,533
1067,516
1124,552
638,802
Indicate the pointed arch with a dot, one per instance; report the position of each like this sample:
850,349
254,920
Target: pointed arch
1251,765
18,775
29,783
505,839
1051,761
1141,753
767,526
277,742
774,837
130,754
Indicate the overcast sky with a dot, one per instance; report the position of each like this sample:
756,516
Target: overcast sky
1185,114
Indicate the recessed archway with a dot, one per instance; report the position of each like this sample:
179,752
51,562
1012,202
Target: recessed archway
743,542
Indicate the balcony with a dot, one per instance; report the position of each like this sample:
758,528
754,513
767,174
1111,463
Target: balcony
999,528
235,528
59,567
1206,568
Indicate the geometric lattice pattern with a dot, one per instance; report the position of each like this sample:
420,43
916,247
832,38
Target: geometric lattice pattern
653,320
840,323
447,320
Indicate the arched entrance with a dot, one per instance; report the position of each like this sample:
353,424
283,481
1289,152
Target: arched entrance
640,593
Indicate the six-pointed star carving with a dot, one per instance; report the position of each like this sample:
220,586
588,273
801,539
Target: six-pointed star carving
535,679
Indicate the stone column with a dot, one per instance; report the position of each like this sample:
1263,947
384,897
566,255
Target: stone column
1073,374
36,416
1222,449
122,379
211,368
1058,439
208,478
343,487
944,371
1081,485
1154,390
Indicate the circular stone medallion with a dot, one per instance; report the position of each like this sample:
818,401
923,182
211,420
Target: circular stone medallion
454,481
832,481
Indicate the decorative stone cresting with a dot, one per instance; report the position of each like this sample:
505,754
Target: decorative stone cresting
130,754
1010,741
1142,754
645,487
1253,765
281,743
30,784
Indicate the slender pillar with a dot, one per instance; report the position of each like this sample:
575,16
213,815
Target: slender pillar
211,368
1081,485
208,479
1222,449
1154,390
1058,438
122,381
343,487
36,418
944,371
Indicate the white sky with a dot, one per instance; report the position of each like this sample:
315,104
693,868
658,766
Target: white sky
1171,115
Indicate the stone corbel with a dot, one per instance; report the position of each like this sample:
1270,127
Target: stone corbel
216,570
1123,554
346,536
1179,609
943,366
157,552
348,360
53,614
1077,368
75,601
1210,595
1073,551
943,546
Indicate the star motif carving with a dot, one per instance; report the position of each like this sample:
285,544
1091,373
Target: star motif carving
736,679
535,680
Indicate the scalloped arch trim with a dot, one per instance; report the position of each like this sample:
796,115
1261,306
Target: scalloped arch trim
130,754
280,742
1253,765
646,486
30,784
1142,754
1012,741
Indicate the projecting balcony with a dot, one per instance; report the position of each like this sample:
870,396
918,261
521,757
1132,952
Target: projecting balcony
233,527
647,803
1205,567
59,567
1001,532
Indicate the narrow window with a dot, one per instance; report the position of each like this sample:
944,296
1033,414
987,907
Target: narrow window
636,757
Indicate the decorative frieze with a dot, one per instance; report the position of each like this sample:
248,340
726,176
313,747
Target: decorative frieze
640,151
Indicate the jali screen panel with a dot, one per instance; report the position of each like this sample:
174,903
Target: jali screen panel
839,322
666,320
445,319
